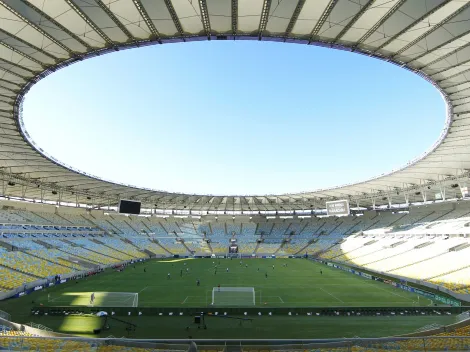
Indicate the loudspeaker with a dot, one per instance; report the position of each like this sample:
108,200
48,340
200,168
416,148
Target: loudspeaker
96,331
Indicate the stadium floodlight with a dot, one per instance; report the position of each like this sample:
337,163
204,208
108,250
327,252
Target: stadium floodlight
233,296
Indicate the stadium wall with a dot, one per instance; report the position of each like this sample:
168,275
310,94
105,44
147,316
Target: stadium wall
31,330
435,343
444,329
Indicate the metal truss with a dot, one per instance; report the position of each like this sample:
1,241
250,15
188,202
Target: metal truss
27,172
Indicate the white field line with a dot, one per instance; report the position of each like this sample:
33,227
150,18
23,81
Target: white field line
185,300
393,293
280,299
295,304
321,288
55,299
255,286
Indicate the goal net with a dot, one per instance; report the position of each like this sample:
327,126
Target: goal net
233,296
94,299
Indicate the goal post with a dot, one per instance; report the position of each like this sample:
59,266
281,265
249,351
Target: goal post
100,299
233,296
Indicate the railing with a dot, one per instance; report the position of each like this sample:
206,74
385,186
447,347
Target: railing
429,327
5,315
463,316
39,326
448,343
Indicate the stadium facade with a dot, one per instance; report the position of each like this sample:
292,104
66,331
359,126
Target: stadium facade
428,38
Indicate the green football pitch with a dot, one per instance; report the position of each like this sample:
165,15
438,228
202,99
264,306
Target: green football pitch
300,283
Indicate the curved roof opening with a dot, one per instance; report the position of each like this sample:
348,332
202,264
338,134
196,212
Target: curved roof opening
234,117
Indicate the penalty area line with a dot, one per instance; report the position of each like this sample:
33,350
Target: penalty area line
266,299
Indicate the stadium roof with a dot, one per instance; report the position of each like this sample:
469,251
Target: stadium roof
428,37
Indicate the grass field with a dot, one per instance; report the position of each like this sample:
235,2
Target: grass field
301,284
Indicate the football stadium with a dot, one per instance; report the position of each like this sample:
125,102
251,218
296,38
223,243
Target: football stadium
88,264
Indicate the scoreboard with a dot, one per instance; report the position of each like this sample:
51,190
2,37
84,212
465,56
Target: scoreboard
338,207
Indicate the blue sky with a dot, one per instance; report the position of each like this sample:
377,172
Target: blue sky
234,117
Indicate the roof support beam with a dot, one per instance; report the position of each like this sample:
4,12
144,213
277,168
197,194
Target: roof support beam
45,165
455,75
174,17
322,20
439,47
294,18
115,20
353,20
18,66
206,23
23,54
10,83
234,17
28,44
8,100
454,85
89,22
434,28
263,22
427,14
453,52
451,67
14,73
62,28
48,36
144,14
376,26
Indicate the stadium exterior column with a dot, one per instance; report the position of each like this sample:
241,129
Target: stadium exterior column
462,187
23,191
443,192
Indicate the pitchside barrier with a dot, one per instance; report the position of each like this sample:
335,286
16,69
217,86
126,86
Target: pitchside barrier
442,295
341,345
253,311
